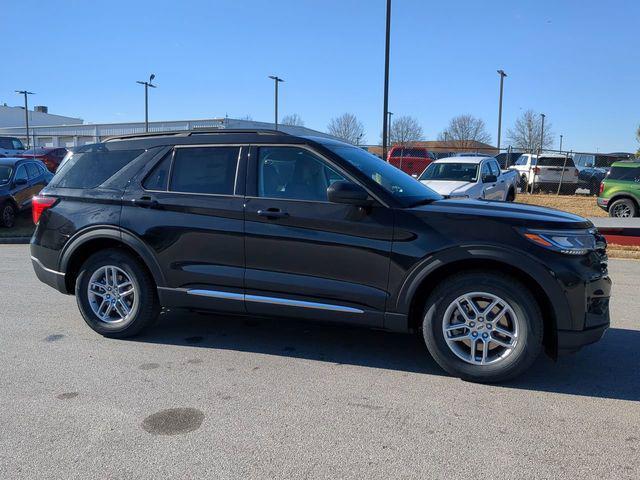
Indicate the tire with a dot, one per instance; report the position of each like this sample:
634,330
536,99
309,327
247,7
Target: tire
7,215
511,195
142,302
623,208
523,183
501,363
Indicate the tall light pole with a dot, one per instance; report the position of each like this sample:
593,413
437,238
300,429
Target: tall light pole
389,126
560,143
385,126
146,99
26,111
276,81
542,133
502,75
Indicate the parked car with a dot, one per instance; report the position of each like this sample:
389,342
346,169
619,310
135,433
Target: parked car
546,173
506,159
51,157
620,190
10,146
265,223
593,168
20,180
411,160
471,177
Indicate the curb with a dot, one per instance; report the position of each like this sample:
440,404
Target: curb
15,240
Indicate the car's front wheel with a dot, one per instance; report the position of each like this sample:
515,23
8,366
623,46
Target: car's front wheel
483,327
116,294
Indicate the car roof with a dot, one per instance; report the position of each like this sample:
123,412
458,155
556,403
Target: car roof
13,161
626,164
461,159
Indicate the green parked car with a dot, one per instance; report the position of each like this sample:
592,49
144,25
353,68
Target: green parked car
620,190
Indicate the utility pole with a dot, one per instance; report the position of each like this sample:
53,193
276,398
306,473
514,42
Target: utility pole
146,99
541,134
276,80
385,131
502,75
26,112
560,143
389,126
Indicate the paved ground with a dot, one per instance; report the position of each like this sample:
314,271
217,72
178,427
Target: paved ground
272,399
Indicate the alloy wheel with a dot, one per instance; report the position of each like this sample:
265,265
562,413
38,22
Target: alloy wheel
111,294
621,210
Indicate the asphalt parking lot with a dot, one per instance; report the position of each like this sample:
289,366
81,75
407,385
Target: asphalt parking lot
201,396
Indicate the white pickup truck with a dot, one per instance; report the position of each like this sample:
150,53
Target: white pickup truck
471,177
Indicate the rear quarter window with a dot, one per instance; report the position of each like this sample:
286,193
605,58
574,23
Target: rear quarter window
625,173
91,165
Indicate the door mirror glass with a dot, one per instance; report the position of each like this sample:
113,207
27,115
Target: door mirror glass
489,178
349,193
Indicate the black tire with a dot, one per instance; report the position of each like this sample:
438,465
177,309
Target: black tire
511,195
623,208
523,183
143,312
7,215
516,295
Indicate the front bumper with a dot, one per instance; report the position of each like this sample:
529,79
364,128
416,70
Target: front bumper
570,341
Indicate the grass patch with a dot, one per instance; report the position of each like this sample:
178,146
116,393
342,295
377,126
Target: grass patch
623,251
583,205
23,227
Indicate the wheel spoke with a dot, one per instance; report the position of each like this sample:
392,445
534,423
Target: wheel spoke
472,346
491,306
504,332
485,350
473,306
500,342
126,293
499,315
457,326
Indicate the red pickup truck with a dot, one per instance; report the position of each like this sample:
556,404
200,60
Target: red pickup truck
411,160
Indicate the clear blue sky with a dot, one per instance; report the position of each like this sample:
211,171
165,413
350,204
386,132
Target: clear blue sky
578,61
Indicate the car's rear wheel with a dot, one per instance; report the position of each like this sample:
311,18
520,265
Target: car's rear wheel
511,195
115,294
623,208
483,327
7,215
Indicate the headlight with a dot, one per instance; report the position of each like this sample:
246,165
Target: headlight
569,242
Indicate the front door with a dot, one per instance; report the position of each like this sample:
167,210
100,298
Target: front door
307,257
189,210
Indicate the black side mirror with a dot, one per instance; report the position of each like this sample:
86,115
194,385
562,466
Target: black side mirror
349,193
20,181
489,179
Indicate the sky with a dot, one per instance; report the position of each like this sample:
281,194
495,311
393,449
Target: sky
577,61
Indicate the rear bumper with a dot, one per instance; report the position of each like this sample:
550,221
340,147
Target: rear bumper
602,203
50,277
571,341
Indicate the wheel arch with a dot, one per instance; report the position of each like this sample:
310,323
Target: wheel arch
87,242
412,300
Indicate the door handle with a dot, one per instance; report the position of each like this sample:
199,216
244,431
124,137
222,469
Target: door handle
272,213
145,202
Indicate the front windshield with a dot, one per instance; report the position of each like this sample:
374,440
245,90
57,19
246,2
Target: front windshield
406,189
461,172
5,174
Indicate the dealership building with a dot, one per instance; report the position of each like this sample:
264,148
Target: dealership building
48,130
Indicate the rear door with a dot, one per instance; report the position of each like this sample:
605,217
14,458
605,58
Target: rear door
490,189
188,209
307,257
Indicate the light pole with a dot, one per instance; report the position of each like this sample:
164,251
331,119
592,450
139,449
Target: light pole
502,75
541,134
560,143
276,81
26,111
146,99
389,126
385,126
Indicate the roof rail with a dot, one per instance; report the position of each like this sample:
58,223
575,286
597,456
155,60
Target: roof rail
203,131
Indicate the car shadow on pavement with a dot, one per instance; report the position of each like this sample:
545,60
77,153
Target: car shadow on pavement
607,369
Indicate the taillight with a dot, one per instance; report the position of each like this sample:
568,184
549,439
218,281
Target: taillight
601,188
39,205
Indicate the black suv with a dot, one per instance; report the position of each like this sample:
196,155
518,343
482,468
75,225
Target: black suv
265,223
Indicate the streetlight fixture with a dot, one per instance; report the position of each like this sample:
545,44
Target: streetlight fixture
146,99
26,111
385,126
276,81
389,122
502,75
541,134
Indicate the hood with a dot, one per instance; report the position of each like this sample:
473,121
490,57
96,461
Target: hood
447,187
516,214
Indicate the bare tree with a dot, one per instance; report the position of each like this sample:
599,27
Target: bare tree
347,127
293,119
405,130
526,132
465,130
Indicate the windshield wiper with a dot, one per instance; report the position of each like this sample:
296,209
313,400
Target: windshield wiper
424,201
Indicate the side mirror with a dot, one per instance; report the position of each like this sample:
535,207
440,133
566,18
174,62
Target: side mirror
20,181
489,179
348,193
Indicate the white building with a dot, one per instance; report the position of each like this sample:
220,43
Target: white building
14,116
71,135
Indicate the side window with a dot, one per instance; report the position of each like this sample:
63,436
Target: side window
485,169
17,144
210,170
32,170
21,173
522,160
6,143
495,169
293,173
159,175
